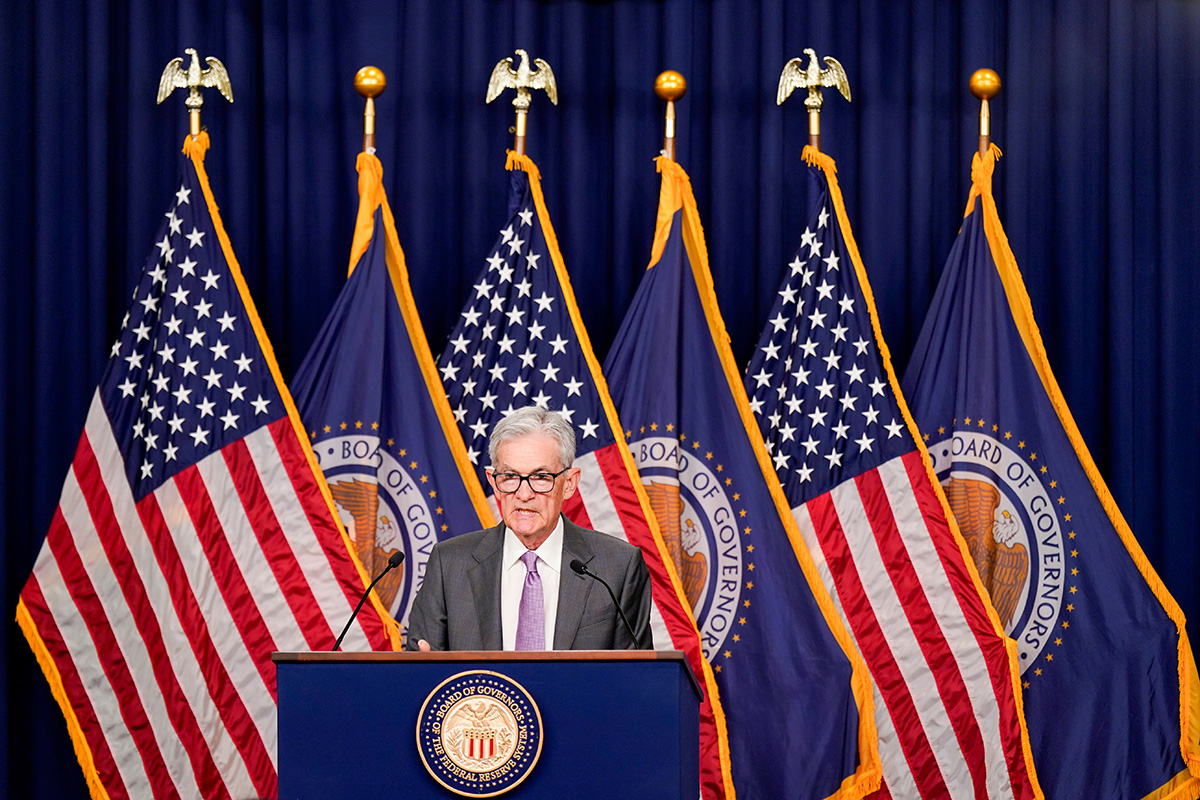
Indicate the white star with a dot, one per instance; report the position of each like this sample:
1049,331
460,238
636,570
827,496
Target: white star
805,473
260,405
544,302
780,391
460,344
535,330
468,388
176,222
825,388
861,346
772,350
127,388
841,429
449,373
847,305
779,322
176,423
526,216
807,238
763,378
142,331
817,417
173,325
523,288
139,429
788,294
756,406
549,373
781,460
839,333
210,279
567,413
147,468
497,303
817,319
180,296
218,350
514,244
482,289
515,316
116,348
460,414
196,337
243,363
573,386
163,247
472,455
793,404
181,197
149,303
188,266
151,441
894,429
814,247
797,265
871,415
589,428
810,445
825,290
506,344
203,308
855,372
831,261
774,419
806,277
835,459
195,238
199,436
134,360
541,400
206,408
230,419
496,260
213,378
559,344
519,386
877,387
786,433
801,375
169,451
189,366
823,218
487,331
236,392
161,382
479,428
506,234
864,444
832,360
471,316
531,259
506,274
497,372
488,401
848,402
527,358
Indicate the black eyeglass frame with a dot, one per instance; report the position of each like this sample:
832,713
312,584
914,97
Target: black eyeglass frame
527,479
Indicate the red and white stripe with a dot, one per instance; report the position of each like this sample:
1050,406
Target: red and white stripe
160,617
941,674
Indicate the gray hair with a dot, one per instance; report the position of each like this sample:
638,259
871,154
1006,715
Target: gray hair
535,420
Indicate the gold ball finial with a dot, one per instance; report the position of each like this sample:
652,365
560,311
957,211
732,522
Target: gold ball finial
670,85
370,81
985,84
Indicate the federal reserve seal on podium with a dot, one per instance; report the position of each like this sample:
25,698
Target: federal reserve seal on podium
479,733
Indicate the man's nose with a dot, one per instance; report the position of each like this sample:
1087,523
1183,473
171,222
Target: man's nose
525,491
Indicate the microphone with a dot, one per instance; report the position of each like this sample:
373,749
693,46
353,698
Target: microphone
393,562
578,568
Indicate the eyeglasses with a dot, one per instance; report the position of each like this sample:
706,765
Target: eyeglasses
540,482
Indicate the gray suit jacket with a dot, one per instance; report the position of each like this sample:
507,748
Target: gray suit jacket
458,605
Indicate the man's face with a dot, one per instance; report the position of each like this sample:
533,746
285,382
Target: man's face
529,514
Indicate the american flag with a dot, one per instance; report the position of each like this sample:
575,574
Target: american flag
520,341
191,539
822,388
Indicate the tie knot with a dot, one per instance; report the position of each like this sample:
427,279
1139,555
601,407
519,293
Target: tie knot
530,558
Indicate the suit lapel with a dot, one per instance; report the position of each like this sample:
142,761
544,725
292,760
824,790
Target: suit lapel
484,576
572,588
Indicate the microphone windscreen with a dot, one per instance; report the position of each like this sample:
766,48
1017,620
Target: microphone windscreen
396,559
577,566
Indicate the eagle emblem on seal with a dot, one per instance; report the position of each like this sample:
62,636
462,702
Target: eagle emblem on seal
682,537
993,540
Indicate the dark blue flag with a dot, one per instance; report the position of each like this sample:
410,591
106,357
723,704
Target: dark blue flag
378,418
1108,676
796,696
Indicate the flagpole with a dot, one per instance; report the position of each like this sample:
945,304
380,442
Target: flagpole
670,86
193,79
812,78
985,84
523,80
370,83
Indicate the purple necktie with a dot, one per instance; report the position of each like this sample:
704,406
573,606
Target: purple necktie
531,618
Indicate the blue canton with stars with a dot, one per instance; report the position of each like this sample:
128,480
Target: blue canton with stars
186,375
515,344
816,382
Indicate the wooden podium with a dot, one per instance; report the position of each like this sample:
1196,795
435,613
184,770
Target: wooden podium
612,723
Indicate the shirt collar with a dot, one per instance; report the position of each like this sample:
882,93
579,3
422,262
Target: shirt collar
549,552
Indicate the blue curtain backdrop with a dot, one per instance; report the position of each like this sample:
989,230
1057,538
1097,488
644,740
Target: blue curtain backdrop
1099,120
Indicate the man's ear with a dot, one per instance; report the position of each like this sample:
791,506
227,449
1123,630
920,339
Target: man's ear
491,481
570,482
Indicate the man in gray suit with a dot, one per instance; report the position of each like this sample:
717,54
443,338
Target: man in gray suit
511,587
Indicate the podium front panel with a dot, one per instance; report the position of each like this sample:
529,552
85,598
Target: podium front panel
613,724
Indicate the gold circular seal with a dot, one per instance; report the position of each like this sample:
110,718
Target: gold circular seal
479,733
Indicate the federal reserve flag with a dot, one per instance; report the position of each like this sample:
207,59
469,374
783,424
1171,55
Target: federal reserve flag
823,390
369,394
1111,696
192,537
796,696
520,340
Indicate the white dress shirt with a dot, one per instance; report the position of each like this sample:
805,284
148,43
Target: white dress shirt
512,582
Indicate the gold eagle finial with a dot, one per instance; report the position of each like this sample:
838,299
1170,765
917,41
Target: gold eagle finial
522,79
812,78
193,79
